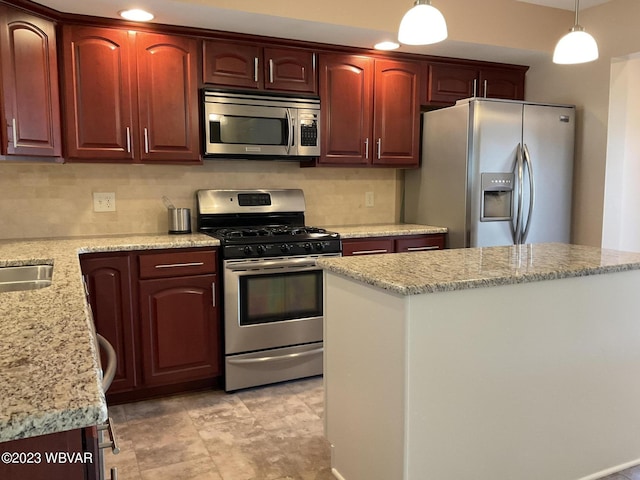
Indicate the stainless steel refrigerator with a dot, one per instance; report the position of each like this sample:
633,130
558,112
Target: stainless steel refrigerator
495,172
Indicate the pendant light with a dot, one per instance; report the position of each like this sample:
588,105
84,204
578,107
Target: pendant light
577,46
423,24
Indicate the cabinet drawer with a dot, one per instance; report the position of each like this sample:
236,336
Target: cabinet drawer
419,243
177,264
367,246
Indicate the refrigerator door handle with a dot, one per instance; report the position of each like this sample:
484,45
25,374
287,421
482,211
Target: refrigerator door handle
527,161
517,231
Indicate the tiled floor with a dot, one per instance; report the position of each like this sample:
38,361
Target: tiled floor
266,433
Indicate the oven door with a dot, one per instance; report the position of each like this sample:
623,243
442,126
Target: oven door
232,129
271,303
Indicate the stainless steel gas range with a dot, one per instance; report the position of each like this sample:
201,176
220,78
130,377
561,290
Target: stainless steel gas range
273,292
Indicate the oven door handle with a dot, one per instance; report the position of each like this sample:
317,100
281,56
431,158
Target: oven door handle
272,264
244,361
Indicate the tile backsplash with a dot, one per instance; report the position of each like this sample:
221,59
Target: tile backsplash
56,200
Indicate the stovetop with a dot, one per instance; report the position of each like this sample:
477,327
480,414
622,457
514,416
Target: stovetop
275,240
262,223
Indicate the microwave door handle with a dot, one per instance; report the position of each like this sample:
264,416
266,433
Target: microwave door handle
291,126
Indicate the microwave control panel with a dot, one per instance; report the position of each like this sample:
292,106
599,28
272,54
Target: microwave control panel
308,129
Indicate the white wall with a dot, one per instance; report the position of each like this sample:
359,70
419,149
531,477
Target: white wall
621,228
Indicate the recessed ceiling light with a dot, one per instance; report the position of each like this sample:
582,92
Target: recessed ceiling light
136,15
386,45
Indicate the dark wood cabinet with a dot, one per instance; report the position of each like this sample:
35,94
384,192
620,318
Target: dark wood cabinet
158,309
109,283
370,111
419,243
168,130
250,66
448,82
180,326
130,97
396,118
394,244
32,462
30,96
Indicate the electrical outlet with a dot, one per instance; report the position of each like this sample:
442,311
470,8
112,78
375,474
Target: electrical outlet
104,202
368,199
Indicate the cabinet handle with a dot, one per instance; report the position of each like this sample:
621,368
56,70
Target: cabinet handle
379,147
213,293
175,265
313,61
367,252
128,130
255,69
271,70
475,87
14,124
146,141
366,148
418,249
108,426
485,88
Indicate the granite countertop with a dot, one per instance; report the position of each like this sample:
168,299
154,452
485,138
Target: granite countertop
49,374
458,269
384,230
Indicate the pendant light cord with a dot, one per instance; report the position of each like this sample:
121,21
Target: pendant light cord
577,9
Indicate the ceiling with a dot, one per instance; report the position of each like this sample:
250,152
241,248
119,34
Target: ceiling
201,13
566,4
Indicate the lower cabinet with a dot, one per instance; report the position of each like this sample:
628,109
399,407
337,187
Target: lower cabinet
109,283
179,327
396,244
159,310
69,455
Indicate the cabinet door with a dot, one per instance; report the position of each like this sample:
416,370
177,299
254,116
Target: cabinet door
99,98
367,246
419,243
396,124
180,329
290,69
36,466
30,85
448,83
502,83
167,98
232,64
346,90
109,282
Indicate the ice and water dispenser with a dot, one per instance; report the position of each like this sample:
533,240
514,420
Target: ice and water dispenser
497,196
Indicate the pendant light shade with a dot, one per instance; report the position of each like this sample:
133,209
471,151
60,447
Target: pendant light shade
423,24
577,46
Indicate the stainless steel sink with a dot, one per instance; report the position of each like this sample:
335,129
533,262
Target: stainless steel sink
25,277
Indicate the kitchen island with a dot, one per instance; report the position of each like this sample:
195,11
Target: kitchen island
505,362
49,371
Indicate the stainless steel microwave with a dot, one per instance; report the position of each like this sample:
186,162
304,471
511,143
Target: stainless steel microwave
246,125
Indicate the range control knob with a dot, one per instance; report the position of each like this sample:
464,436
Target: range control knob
260,249
247,250
284,248
319,247
307,246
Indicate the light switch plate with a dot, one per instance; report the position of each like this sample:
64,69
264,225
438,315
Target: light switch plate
104,201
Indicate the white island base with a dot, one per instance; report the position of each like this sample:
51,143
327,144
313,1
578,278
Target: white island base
526,381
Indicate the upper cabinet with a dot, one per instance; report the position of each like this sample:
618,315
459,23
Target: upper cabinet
370,111
250,66
130,97
31,103
448,82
